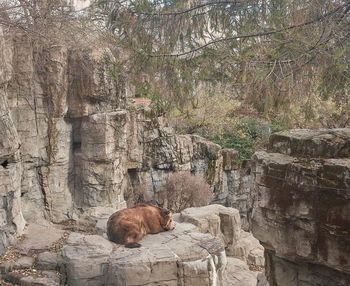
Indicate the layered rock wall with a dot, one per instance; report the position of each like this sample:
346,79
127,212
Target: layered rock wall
11,219
301,210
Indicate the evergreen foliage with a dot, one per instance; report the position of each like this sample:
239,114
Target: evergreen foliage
288,60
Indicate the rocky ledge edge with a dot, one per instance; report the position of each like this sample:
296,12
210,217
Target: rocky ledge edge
207,247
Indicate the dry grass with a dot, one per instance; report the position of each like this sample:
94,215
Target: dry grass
10,255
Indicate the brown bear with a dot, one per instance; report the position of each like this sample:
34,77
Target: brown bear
128,226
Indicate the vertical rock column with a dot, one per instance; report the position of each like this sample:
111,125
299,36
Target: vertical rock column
11,219
97,98
26,106
51,67
237,182
103,160
37,97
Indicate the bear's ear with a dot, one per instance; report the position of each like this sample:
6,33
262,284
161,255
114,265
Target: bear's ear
164,212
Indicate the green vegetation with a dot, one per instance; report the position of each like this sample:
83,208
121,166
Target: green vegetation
244,136
243,144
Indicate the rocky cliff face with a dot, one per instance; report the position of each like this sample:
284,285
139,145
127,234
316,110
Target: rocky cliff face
73,138
302,207
11,219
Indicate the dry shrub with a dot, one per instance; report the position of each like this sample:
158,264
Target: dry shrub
136,196
183,190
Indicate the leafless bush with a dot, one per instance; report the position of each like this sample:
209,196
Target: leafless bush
183,190
52,22
137,195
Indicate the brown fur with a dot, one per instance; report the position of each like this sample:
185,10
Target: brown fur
128,226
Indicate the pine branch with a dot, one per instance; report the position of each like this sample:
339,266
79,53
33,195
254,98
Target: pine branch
176,13
255,35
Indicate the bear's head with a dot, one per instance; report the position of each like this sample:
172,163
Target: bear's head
167,222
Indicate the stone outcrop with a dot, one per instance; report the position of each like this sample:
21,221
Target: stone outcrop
237,184
238,273
164,259
225,224
197,253
326,143
301,210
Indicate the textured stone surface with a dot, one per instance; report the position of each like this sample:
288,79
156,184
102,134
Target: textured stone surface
192,254
42,278
79,143
290,273
225,224
301,208
238,273
322,143
262,280
39,238
95,218
24,262
11,218
248,249
47,260
217,220
101,172
37,103
164,259
237,184
45,94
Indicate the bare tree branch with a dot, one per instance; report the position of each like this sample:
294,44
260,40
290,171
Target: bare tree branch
176,13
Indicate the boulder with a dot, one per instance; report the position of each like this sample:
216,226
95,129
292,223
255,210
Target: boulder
48,260
224,223
238,273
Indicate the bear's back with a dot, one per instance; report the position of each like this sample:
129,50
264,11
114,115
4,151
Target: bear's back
142,218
